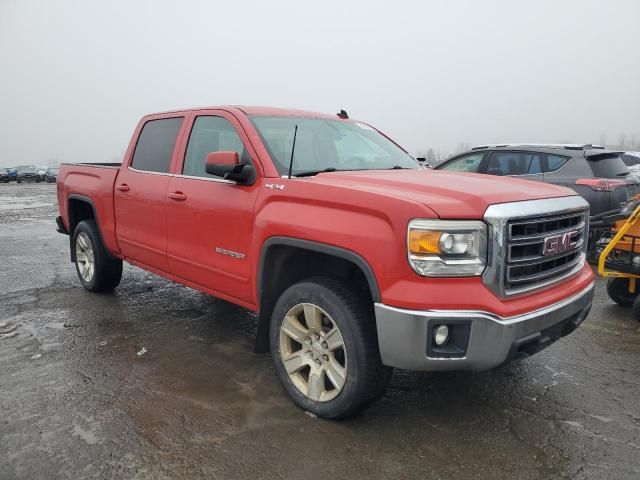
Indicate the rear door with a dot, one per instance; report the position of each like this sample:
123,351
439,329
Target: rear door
140,194
527,165
210,220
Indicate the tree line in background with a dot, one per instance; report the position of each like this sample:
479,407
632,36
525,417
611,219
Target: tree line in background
629,143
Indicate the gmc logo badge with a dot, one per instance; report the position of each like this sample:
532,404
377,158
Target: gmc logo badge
559,243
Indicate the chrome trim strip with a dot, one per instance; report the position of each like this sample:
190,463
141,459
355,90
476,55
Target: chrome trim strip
472,314
176,175
535,259
539,276
526,239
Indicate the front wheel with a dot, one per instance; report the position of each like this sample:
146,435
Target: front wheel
325,348
97,271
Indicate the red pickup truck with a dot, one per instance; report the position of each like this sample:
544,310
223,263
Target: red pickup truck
356,258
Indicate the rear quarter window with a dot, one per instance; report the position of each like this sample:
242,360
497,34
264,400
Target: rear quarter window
607,166
555,162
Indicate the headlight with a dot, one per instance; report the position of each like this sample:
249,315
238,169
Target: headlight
447,248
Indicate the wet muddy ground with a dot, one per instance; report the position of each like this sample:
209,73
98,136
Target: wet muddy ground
76,400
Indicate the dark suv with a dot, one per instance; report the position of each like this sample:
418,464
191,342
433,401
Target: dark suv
597,174
28,174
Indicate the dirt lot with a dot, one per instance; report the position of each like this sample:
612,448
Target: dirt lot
76,401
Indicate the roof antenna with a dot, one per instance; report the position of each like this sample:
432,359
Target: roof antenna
343,114
293,149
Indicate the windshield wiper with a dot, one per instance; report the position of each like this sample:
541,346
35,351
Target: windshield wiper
311,173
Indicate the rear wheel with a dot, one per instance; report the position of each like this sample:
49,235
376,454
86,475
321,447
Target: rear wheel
618,290
325,348
97,271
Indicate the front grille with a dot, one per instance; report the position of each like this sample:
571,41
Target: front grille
528,264
535,243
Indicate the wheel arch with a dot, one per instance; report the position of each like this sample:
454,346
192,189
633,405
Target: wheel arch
79,208
288,260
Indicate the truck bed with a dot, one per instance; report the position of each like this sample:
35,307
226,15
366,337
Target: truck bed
92,182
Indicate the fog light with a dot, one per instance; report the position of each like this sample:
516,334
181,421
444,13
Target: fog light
441,335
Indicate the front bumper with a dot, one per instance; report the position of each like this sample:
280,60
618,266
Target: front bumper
480,340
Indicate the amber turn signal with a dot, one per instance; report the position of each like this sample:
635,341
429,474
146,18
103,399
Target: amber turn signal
424,242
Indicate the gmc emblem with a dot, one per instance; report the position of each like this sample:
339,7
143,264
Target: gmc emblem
559,243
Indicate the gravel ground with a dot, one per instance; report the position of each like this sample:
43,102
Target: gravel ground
76,401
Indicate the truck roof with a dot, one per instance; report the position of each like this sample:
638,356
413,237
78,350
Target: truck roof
256,110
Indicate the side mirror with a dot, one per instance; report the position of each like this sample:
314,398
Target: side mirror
227,165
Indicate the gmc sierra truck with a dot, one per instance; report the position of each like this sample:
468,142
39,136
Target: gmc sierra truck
357,259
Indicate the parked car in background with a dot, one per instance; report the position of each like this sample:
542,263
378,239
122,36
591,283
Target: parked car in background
13,173
51,175
632,161
4,175
42,171
599,175
28,174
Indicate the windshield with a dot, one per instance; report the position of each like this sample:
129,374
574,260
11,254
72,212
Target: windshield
328,144
26,169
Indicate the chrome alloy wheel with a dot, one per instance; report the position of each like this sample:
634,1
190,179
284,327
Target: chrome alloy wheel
312,352
84,257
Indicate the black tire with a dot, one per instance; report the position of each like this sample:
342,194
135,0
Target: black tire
366,376
636,309
618,290
107,270
18,181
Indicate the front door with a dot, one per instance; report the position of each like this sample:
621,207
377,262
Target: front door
140,194
210,220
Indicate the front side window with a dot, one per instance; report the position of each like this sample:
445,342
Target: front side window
514,163
155,145
467,163
209,134
328,144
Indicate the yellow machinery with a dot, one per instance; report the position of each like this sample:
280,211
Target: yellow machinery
618,256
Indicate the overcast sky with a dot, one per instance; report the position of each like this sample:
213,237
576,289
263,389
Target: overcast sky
76,76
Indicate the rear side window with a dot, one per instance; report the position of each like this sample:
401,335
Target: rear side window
155,145
607,166
514,163
555,162
467,163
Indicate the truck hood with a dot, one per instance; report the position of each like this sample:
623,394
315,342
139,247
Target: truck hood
448,194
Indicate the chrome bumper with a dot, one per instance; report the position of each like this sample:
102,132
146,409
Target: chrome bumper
480,340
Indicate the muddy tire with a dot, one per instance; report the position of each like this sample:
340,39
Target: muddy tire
325,348
618,290
97,271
